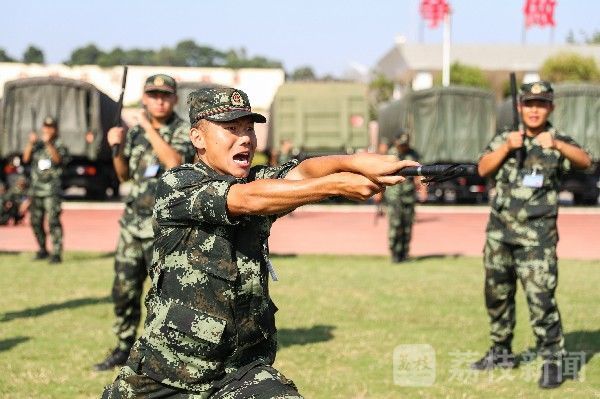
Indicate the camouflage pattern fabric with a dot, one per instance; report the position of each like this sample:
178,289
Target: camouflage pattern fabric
400,200
255,381
131,263
527,215
145,169
136,236
536,268
50,206
521,242
45,174
220,104
10,203
210,315
6,210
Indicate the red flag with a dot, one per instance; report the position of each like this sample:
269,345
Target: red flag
434,11
539,12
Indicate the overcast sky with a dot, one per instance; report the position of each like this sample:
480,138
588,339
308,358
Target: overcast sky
328,35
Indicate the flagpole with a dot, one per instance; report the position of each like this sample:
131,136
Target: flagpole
446,51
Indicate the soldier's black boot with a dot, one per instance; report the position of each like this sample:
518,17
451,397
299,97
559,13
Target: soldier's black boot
398,257
41,254
54,259
497,356
551,376
117,357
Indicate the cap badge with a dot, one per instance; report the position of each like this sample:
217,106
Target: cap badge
536,88
236,99
159,81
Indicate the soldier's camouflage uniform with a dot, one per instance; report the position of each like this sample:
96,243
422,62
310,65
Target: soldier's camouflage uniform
521,244
210,329
134,249
400,200
10,203
45,193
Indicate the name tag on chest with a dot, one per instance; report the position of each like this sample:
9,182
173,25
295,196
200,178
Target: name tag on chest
151,170
533,181
44,164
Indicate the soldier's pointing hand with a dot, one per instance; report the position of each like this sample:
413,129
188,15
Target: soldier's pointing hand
380,168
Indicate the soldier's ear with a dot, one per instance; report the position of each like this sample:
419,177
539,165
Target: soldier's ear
197,137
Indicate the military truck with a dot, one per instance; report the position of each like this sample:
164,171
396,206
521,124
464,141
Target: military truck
84,114
320,118
577,114
447,125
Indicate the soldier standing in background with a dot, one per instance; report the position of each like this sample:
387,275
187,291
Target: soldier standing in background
400,200
158,142
14,202
282,154
48,158
522,234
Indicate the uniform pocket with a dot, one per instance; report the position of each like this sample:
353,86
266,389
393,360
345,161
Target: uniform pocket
213,255
187,333
194,324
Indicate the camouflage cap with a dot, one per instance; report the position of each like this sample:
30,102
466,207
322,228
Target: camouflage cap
541,90
160,82
220,104
50,121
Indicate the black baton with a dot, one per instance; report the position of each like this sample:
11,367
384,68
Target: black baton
439,173
520,152
115,148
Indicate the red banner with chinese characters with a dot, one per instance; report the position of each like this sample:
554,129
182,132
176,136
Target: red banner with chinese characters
539,12
434,11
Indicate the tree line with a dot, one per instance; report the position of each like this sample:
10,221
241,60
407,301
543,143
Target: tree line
186,53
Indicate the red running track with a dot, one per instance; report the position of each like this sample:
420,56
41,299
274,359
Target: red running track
333,230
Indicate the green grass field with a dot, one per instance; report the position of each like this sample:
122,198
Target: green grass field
339,320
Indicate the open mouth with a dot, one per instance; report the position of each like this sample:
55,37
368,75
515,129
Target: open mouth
242,159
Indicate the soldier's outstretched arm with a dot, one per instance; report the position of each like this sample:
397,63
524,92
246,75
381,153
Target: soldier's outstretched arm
276,196
376,167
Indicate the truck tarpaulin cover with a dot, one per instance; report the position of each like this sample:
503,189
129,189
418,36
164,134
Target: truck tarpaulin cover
450,124
577,114
78,106
329,116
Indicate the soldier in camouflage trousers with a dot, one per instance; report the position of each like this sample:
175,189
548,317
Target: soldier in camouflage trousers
210,329
522,234
400,202
47,157
158,142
